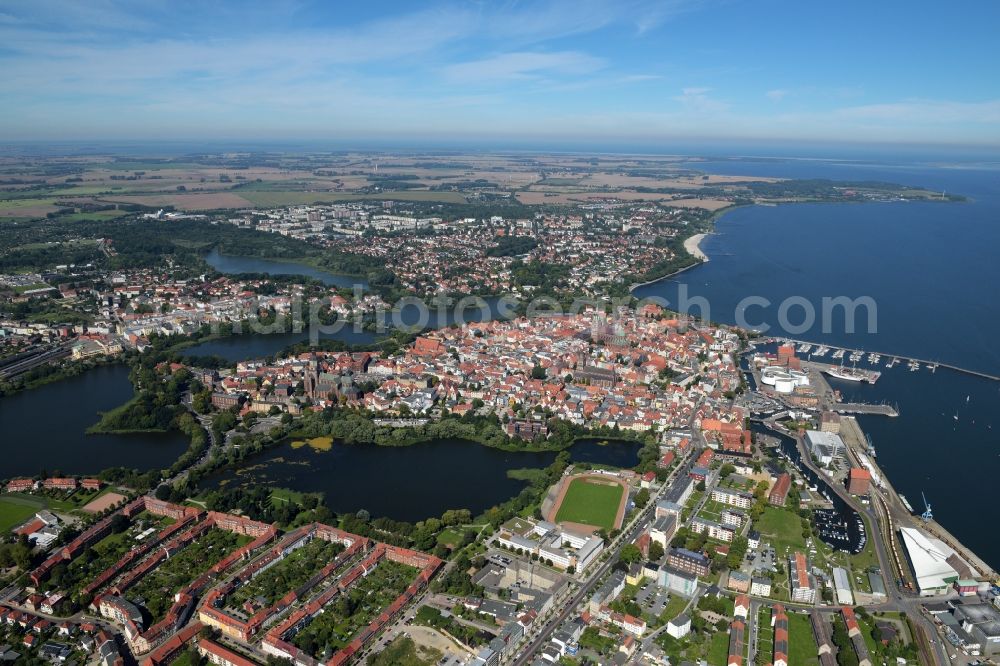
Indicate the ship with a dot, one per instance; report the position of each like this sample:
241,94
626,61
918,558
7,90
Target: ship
902,498
853,374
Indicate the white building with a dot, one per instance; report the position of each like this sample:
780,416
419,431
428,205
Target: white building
842,585
824,446
929,558
737,498
760,586
680,626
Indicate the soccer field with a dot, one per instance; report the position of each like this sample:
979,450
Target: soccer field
591,502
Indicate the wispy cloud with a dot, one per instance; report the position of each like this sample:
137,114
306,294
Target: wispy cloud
698,101
777,95
926,112
639,78
522,65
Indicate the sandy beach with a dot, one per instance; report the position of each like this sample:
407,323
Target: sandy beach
691,245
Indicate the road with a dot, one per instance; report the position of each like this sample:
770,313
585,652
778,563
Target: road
898,599
629,535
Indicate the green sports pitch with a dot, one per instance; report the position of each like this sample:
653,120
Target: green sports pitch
591,502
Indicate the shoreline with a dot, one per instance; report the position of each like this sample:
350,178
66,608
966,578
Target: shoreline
692,246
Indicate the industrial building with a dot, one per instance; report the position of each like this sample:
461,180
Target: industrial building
824,446
842,585
929,558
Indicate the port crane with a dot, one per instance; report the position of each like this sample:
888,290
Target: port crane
927,514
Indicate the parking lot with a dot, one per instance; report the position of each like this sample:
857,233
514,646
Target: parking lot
652,598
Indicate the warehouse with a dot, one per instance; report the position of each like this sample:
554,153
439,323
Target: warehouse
929,559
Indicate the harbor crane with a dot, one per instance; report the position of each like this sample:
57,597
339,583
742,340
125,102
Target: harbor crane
927,514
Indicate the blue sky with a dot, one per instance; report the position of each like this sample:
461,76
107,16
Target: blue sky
580,70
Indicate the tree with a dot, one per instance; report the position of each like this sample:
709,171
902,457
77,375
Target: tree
629,553
642,497
656,551
538,372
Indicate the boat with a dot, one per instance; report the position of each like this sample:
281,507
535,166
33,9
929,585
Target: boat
839,353
853,374
845,373
906,503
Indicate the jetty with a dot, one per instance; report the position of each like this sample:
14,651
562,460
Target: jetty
864,408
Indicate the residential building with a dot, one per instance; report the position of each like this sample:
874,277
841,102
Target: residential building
760,586
802,587
688,561
779,491
680,626
737,498
779,622
663,529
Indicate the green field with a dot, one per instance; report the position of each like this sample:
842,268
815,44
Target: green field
591,503
718,649
14,512
268,199
782,529
801,644
96,215
8,205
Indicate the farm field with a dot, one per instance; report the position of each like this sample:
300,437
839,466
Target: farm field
591,503
269,199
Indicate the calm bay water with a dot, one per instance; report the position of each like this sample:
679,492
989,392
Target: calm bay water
45,428
931,269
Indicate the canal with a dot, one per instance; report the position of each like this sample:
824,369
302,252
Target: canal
840,528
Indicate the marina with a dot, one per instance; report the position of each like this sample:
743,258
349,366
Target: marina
875,358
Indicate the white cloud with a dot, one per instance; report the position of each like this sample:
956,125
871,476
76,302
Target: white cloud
777,95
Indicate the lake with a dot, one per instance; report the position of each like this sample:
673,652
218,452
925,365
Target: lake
407,314
45,428
411,482
228,264
236,348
